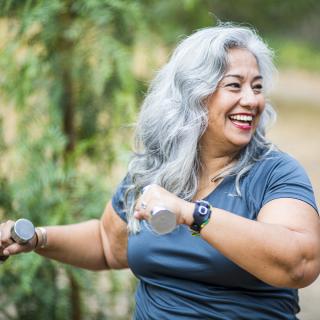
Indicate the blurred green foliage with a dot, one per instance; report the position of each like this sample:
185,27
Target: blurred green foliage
69,85
67,79
296,54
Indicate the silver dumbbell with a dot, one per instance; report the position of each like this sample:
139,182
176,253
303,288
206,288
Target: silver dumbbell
21,232
162,220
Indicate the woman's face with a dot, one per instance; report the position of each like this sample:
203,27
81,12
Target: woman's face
235,107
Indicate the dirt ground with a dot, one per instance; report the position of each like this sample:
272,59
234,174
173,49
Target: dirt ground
297,100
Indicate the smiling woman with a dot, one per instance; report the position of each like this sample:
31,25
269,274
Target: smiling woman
202,155
235,107
202,147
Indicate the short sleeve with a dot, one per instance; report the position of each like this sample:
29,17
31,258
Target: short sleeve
118,197
287,179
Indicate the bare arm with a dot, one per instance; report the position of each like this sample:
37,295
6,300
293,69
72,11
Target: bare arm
79,245
86,245
281,248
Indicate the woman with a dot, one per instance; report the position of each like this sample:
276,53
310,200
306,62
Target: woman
203,154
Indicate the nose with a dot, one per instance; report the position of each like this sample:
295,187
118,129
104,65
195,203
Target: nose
249,99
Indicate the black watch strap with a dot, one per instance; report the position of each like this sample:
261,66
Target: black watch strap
201,215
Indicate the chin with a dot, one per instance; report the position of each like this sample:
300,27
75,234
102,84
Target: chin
239,139
240,143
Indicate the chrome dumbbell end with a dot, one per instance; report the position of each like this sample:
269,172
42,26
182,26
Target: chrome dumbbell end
21,232
162,221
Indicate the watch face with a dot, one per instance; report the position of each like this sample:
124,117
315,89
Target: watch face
203,207
203,210
23,231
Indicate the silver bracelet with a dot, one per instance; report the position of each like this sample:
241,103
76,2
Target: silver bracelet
42,238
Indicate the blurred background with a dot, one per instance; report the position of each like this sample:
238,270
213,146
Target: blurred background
72,77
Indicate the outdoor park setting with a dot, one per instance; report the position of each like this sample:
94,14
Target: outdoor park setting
73,77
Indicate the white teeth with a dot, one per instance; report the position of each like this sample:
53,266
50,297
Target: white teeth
241,117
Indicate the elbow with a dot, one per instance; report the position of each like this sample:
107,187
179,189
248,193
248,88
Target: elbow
298,274
305,264
303,273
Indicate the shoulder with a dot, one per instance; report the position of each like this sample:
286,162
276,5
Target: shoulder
278,175
277,157
120,197
276,163
114,235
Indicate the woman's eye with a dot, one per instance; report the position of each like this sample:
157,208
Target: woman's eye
234,85
257,87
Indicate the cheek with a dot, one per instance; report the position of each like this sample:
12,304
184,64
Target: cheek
216,118
262,104
262,107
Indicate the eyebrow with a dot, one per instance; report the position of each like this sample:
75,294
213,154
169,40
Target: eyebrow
259,77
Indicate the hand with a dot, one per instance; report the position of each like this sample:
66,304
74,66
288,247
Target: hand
156,196
8,246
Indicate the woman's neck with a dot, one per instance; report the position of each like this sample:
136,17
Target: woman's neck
213,163
211,168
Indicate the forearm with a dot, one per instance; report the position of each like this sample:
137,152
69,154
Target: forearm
272,253
79,245
281,248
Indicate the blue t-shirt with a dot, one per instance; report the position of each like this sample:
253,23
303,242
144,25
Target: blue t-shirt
183,277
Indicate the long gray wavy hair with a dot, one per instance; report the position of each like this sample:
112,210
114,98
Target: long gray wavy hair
174,116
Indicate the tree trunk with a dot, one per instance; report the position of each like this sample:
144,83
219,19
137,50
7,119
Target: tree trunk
68,105
68,108
76,312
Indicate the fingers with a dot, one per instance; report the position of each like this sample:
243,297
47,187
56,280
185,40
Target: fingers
145,189
142,209
144,203
5,239
152,196
5,234
12,249
155,196
8,246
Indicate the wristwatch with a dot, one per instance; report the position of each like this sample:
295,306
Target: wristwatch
201,215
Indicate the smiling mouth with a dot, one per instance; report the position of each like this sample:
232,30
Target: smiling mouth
242,121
